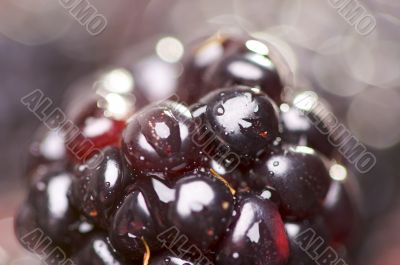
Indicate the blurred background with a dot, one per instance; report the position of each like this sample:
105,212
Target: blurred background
42,46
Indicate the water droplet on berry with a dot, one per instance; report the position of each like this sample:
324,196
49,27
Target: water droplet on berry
266,194
220,110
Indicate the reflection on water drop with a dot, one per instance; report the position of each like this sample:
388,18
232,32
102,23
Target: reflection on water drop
220,110
266,194
257,47
284,107
338,172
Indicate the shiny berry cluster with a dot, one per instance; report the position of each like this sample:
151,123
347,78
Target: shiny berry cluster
221,174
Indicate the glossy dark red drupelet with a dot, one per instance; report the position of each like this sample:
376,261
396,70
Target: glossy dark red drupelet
223,61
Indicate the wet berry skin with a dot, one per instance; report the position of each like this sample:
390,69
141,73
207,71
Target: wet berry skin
299,175
202,208
204,55
257,236
49,197
141,216
214,152
308,240
299,128
341,212
244,119
235,178
96,131
158,139
55,214
95,191
247,68
48,148
132,224
98,251
223,61
29,232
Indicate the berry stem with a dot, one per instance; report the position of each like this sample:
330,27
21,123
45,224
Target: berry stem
147,254
216,175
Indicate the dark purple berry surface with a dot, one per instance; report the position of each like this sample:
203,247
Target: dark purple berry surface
310,235
158,139
300,128
257,236
299,175
244,119
223,61
95,191
205,203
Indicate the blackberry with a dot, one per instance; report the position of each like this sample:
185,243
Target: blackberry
220,178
